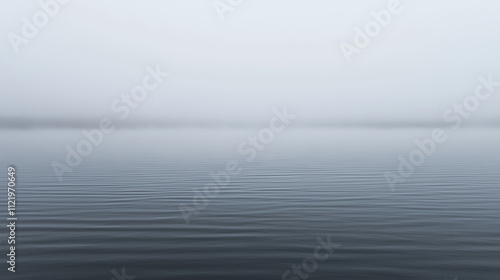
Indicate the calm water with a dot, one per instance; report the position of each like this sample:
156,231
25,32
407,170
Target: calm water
120,207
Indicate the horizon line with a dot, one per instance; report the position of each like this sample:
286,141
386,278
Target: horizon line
9,123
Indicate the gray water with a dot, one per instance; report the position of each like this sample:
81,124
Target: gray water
120,207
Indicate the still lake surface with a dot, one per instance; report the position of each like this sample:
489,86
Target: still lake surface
120,207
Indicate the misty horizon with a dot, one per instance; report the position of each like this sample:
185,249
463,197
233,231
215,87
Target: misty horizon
73,123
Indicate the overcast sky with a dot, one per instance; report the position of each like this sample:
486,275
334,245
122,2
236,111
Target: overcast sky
263,54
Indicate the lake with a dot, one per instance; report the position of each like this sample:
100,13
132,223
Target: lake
120,207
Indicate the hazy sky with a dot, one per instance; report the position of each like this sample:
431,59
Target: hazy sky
264,54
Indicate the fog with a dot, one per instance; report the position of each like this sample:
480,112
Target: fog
262,55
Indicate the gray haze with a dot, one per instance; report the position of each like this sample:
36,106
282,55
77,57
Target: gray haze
265,54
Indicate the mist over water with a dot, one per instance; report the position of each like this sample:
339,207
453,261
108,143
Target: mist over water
226,139
41,123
